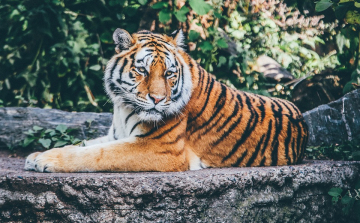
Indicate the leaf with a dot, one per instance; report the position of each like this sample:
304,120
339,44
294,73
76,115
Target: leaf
348,87
95,67
222,61
335,192
341,9
335,200
164,16
60,143
206,46
323,5
45,143
27,141
218,15
346,199
181,14
200,6
61,128
160,5
143,2
193,35
75,141
356,155
222,43
37,128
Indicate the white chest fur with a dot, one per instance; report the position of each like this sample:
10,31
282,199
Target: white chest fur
126,123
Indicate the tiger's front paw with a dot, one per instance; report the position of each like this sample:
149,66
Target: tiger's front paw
50,161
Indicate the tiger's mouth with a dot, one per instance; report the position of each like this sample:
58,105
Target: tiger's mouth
150,114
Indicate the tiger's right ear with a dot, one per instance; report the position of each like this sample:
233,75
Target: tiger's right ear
122,39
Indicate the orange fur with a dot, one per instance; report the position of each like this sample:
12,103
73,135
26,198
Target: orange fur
218,127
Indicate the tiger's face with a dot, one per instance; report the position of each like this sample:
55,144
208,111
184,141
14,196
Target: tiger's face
148,74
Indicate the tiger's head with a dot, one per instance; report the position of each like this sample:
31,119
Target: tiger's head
148,74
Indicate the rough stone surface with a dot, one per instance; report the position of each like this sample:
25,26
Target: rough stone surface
268,194
335,122
14,121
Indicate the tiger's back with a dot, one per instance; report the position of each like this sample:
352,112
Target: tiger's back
235,128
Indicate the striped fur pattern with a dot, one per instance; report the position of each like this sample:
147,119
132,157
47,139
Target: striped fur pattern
171,115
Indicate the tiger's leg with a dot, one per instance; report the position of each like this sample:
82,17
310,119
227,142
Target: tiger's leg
130,154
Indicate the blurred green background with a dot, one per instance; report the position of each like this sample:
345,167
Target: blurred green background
53,52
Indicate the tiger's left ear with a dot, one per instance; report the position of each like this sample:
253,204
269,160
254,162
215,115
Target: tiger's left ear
179,37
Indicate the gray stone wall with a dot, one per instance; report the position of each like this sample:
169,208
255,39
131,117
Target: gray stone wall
335,122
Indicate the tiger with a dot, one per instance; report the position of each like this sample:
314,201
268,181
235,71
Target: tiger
171,115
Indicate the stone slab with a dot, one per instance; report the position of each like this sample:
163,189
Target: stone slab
259,194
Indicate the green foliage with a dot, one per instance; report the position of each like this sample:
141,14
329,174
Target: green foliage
54,51
347,39
349,150
38,137
349,200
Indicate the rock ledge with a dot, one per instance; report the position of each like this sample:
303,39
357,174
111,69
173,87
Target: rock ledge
262,194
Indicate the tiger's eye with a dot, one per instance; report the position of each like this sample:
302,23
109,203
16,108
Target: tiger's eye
168,73
141,69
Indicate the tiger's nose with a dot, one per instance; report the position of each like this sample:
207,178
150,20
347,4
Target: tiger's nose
156,99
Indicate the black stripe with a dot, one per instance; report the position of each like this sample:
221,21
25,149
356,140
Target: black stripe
201,78
208,81
206,101
256,151
114,88
166,131
261,106
121,70
114,131
133,128
262,161
219,105
211,127
152,131
176,140
124,82
293,151
298,143
231,128
268,134
287,142
240,159
233,114
113,68
175,91
182,85
278,127
127,118
251,123
295,109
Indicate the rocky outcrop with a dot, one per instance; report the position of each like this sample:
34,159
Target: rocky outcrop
336,122
268,194
14,121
